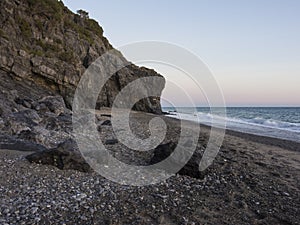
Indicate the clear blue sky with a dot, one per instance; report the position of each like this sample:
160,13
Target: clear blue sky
252,47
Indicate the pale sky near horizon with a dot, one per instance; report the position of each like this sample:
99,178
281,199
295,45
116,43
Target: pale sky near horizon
252,47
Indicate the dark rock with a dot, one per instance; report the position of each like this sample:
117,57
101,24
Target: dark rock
52,122
99,128
25,102
106,115
106,123
55,104
191,168
13,143
66,156
111,141
41,107
49,125
22,121
28,135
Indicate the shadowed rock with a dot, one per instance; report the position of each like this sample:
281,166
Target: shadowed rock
66,156
55,104
106,115
12,143
191,168
111,141
106,123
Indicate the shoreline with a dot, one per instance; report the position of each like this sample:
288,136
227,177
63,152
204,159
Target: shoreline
253,180
276,142
280,129
284,143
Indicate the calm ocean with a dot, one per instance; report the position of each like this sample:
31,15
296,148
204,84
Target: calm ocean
278,122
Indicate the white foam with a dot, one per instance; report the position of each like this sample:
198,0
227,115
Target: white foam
258,125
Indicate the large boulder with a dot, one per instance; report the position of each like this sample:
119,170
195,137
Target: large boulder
191,168
65,156
13,143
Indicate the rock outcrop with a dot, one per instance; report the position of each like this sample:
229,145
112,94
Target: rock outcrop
43,42
44,51
28,112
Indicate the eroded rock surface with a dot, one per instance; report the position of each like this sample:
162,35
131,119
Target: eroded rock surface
43,42
44,51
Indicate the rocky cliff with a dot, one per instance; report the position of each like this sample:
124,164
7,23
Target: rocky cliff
45,46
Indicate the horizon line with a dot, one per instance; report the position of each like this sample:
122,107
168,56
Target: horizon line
237,106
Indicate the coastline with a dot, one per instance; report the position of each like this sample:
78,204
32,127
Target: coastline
276,142
275,122
253,180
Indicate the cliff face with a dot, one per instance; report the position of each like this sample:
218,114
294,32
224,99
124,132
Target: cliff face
45,44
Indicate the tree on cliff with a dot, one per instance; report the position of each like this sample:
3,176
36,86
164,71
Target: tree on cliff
83,14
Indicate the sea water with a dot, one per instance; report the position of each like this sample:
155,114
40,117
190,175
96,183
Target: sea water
277,122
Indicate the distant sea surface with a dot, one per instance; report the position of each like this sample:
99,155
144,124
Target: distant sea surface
278,122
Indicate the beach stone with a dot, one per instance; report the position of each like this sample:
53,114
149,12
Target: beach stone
111,141
106,123
66,156
190,169
106,115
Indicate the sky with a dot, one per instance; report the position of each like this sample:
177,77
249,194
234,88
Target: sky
251,47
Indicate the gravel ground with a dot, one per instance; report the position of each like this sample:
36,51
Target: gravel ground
250,182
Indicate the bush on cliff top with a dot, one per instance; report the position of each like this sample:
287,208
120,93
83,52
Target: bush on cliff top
49,7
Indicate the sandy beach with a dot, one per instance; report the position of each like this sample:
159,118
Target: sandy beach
253,180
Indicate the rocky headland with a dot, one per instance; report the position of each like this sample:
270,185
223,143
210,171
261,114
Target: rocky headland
44,51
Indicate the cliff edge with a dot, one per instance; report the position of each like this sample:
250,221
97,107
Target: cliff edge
44,44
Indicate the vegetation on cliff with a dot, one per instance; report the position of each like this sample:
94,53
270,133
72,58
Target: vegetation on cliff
45,43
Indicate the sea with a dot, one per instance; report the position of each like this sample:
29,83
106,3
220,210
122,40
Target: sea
277,122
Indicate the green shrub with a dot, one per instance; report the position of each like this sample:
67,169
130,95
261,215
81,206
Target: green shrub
58,41
66,56
83,33
37,52
86,35
93,26
39,24
53,7
47,47
24,27
3,34
83,14
32,2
